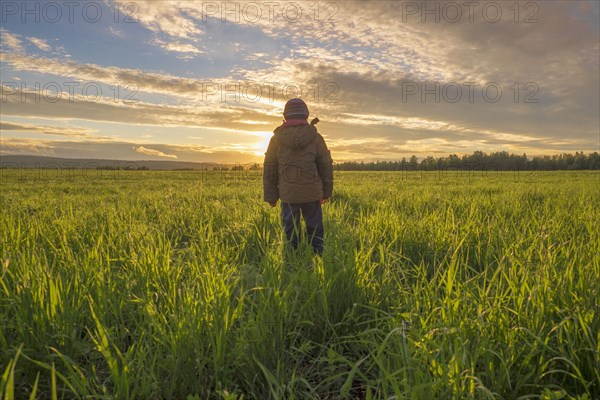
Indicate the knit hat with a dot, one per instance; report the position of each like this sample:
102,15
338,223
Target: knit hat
295,108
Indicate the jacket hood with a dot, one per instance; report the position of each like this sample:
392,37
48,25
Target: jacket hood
296,137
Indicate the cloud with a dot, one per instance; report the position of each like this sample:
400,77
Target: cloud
170,19
10,41
376,49
50,130
167,17
392,120
115,32
40,43
121,150
25,146
152,152
177,47
28,104
146,81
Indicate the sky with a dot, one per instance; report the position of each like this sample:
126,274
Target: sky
207,81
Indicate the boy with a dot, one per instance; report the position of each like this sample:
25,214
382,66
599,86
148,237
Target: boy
298,170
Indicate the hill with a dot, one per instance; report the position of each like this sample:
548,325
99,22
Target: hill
25,161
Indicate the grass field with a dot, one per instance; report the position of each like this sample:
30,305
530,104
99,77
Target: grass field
175,285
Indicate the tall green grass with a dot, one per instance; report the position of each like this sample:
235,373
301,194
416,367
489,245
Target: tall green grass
174,285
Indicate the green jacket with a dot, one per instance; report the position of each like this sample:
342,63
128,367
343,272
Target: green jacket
298,167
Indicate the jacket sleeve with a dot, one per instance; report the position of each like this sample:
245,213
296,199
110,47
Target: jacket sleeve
325,167
271,173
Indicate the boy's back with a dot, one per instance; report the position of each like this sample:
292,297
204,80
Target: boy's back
299,162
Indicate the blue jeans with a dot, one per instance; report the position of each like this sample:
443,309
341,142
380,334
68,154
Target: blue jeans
313,218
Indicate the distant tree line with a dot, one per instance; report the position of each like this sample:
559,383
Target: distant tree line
501,161
478,161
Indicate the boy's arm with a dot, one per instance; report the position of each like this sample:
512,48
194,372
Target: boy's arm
325,168
271,173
